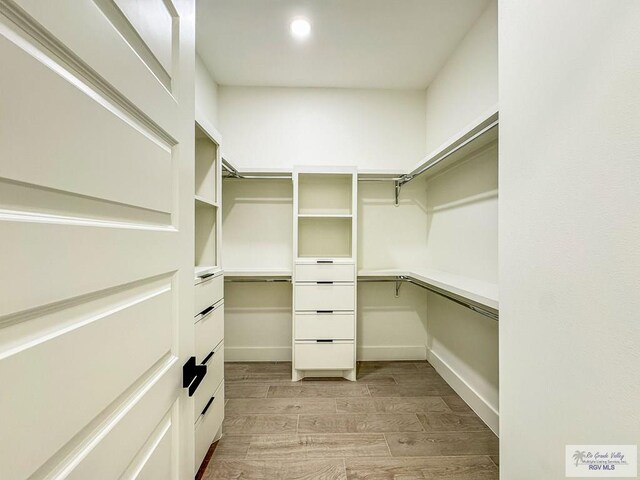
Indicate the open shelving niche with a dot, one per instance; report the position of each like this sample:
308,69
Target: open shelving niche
324,223
207,197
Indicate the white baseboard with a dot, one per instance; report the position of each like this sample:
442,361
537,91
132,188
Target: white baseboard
394,352
257,354
283,354
478,404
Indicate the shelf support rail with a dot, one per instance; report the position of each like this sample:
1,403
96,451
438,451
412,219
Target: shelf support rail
232,172
258,280
406,178
494,315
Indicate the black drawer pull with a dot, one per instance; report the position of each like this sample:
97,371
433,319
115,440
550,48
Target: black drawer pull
207,358
206,407
324,341
324,283
324,311
324,261
206,311
192,375
205,275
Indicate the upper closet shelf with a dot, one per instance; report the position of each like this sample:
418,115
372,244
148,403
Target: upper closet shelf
473,137
208,128
206,201
249,276
463,289
325,215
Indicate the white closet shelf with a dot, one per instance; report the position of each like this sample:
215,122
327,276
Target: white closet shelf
325,215
473,137
242,273
207,127
333,259
484,294
206,201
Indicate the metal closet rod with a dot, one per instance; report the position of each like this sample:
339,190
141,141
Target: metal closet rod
233,172
487,313
420,170
257,280
396,280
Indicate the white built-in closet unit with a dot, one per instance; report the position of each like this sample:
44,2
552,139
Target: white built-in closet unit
208,291
324,271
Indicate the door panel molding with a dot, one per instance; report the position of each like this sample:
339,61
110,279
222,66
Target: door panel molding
122,22
64,461
23,30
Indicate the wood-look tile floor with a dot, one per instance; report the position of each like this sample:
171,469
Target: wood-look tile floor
399,421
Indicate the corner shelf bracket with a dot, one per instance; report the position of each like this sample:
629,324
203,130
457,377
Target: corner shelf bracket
399,281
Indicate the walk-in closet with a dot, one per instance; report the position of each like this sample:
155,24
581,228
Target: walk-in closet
319,239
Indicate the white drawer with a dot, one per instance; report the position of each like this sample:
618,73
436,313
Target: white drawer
316,297
336,272
213,378
336,326
208,424
207,292
324,356
209,331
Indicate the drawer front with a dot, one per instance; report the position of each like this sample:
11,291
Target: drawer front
208,424
325,297
212,380
336,326
209,331
324,356
325,272
208,292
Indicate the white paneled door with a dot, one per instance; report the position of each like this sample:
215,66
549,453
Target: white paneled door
96,238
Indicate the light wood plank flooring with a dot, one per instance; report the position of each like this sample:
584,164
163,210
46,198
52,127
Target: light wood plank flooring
399,421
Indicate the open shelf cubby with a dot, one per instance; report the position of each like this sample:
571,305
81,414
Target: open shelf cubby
205,235
324,194
324,237
206,157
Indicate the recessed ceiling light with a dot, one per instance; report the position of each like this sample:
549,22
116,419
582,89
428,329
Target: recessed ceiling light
300,28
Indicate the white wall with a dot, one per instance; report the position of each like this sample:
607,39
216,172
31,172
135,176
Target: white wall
569,230
390,236
462,218
206,94
462,238
467,85
257,324
282,127
257,220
